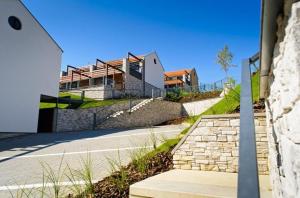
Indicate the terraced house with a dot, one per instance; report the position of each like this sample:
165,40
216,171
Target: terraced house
185,78
135,75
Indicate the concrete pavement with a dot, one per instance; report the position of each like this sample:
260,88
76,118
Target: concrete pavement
21,157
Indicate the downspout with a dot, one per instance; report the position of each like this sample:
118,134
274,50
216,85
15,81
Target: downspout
270,9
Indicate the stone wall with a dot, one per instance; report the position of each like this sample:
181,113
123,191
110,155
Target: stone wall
98,92
153,113
213,145
83,119
283,105
198,107
134,86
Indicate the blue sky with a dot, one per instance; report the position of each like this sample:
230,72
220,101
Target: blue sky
184,33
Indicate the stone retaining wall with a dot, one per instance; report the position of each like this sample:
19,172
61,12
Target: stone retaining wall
98,92
213,145
283,105
153,113
83,119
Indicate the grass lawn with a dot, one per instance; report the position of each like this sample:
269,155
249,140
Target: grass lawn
87,102
101,103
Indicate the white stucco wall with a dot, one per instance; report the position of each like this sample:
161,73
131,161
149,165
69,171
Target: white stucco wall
154,72
283,106
198,107
30,65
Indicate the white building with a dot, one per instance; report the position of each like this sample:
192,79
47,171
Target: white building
30,64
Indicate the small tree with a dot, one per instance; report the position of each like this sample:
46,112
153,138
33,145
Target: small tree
224,59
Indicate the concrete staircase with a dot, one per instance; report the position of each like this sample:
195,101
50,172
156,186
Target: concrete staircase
120,113
193,184
140,105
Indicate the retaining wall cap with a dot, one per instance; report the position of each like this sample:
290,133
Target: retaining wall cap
186,135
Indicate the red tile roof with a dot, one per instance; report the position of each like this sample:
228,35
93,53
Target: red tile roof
177,73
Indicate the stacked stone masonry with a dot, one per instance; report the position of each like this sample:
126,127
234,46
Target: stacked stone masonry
283,105
153,113
213,145
83,119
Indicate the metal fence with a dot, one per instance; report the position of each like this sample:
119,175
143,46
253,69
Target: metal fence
215,86
203,87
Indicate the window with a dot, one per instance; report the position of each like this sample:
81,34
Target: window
154,61
15,23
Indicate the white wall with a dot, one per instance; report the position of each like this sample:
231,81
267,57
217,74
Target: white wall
198,107
154,72
30,65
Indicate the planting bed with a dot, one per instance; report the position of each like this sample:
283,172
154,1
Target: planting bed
159,163
109,187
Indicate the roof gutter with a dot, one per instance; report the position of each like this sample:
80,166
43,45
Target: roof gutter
269,12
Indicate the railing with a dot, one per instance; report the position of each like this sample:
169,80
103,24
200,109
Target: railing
248,183
215,86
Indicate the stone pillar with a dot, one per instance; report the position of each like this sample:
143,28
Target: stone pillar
125,68
91,81
91,68
142,65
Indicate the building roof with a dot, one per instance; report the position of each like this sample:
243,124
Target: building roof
96,73
178,73
173,82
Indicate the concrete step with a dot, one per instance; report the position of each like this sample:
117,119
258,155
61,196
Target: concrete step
140,105
193,184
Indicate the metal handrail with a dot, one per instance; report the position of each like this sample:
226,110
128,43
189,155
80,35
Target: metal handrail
248,182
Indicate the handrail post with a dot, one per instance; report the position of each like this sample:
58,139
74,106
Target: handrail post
248,183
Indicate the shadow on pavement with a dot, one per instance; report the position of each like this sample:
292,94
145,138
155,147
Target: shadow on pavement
38,141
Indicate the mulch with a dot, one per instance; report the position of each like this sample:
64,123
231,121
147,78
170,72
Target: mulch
160,163
258,107
176,121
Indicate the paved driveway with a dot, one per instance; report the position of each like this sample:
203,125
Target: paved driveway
21,157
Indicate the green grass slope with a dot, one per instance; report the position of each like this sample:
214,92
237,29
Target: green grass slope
229,103
87,102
